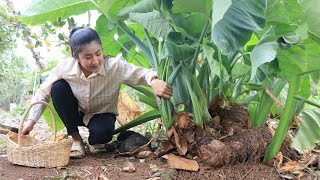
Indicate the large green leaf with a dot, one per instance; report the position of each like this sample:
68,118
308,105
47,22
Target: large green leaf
311,11
178,52
192,6
148,116
277,15
240,19
48,118
191,24
109,44
308,134
143,6
154,22
213,64
111,8
299,59
265,51
41,11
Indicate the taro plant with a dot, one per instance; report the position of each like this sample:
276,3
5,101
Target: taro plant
209,49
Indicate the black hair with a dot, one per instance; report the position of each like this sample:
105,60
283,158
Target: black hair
79,37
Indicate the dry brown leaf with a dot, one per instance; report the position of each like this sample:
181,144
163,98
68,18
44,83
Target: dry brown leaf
170,132
292,166
177,162
146,154
182,120
59,137
101,177
279,159
165,147
129,167
127,108
182,146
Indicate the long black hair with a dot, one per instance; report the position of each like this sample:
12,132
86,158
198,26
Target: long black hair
79,37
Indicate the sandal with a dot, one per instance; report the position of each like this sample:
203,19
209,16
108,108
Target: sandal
77,150
97,148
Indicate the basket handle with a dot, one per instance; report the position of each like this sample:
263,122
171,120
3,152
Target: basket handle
25,115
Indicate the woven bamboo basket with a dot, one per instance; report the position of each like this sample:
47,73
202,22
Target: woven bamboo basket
29,151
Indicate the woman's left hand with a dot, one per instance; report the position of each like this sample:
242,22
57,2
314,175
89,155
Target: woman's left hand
161,89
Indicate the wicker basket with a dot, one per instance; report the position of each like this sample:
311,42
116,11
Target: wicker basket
28,151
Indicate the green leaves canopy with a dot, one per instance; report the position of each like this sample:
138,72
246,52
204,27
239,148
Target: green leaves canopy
41,11
240,19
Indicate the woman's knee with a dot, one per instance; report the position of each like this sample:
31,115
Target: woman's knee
60,87
100,137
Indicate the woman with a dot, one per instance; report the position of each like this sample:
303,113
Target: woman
85,90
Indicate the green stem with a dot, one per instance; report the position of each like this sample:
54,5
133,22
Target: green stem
195,57
221,74
307,101
155,60
285,120
137,60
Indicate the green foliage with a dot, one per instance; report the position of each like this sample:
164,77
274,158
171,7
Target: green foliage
15,79
41,11
308,135
275,39
233,22
48,118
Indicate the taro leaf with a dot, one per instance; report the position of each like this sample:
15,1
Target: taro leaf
308,134
154,22
41,11
148,116
143,6
265,51
109,44
192,6
192,24
233,23
214,65
48,118
311,11
278,16
178,52
111,8
300,59
239,70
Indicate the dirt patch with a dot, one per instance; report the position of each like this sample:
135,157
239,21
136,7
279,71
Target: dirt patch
110,166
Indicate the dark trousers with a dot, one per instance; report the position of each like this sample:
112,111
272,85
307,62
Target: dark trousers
101,126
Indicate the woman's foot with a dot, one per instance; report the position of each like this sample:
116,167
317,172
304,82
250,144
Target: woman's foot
77,150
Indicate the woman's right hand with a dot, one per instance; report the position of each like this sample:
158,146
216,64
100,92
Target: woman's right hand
27,127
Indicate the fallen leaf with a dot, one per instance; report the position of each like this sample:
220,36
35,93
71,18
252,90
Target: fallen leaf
182,120
170,132
182,146
279,159
128,109
101,177
291,166
59,137
165,147
129,167
154,168
146,154
177,162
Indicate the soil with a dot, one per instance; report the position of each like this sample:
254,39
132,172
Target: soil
110,166
105,166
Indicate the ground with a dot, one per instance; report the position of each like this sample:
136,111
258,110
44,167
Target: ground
111,166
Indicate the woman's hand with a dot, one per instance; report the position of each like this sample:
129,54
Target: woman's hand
27,127
161,89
